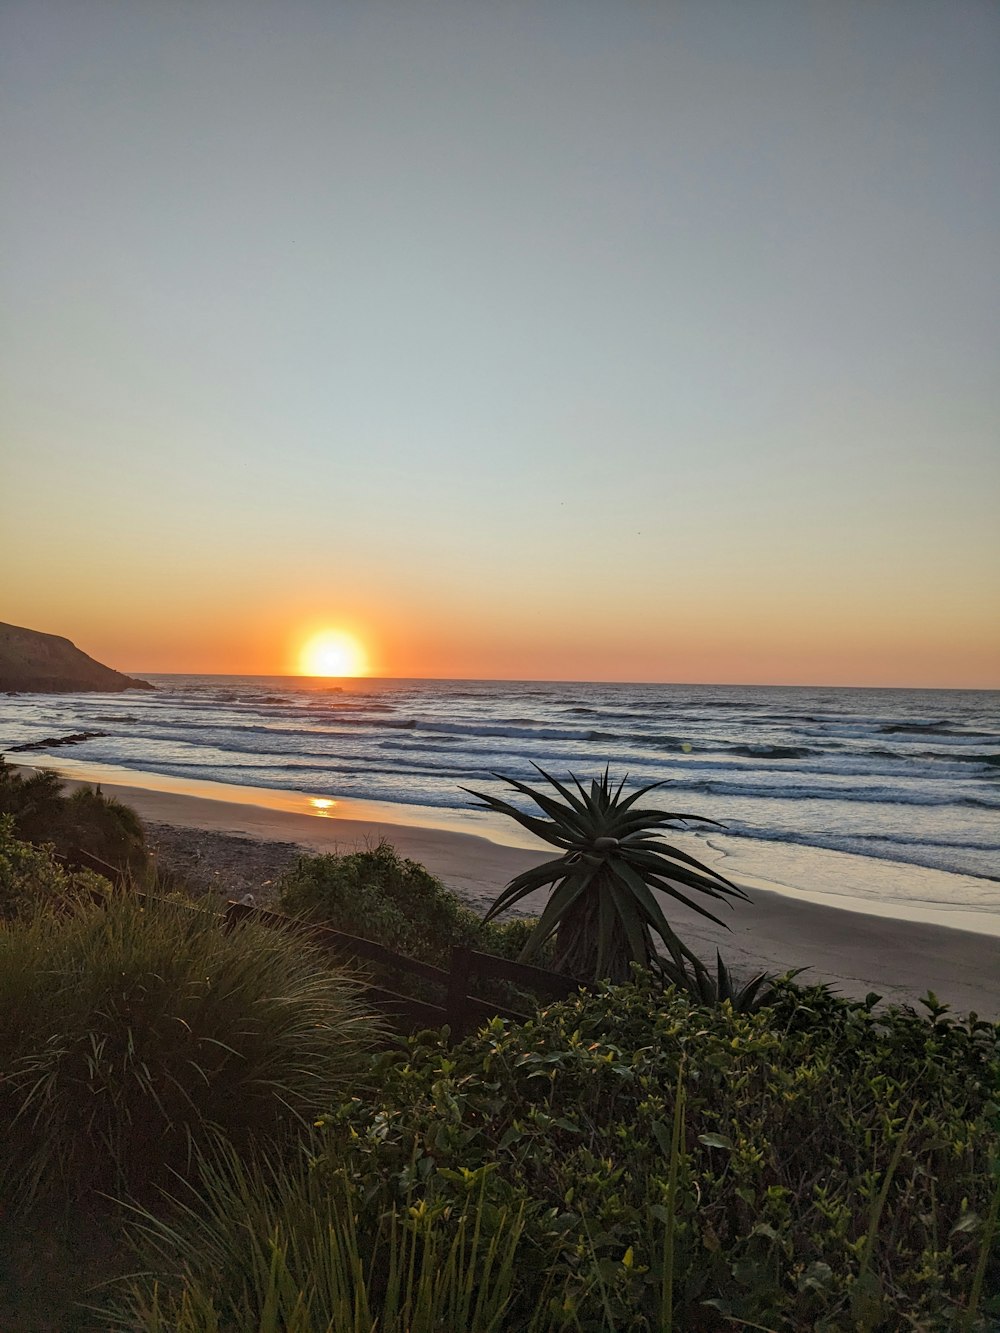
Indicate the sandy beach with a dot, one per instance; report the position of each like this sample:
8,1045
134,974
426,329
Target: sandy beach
233,847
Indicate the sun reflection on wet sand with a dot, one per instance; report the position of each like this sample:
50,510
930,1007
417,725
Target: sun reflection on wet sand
321,806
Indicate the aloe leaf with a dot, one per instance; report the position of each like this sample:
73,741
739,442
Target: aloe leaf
549,872
639,792
673,892
644,893
546,831
563,790
724,981
603,934
636,931
666,850
555,909
513,893
559,814
746,997
694,880
653,817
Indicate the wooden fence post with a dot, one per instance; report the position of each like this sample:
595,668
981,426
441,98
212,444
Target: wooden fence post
458,990
234,913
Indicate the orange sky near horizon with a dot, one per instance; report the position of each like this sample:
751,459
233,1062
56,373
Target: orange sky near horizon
764,644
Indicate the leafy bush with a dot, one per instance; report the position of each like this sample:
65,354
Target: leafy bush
836,1167
130,1033
87,830
381,896
31,798
811,1167
96,832
31,878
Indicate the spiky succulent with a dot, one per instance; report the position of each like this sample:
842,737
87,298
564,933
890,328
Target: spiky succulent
603,910
704,988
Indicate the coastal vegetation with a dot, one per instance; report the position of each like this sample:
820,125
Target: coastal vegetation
84,828
380,895
31,876
134,1033
218,1115
602,911
654,1164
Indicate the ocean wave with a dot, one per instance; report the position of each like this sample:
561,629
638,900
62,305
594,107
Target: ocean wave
348,704
772,751
952,858
906,757
934,729
890,796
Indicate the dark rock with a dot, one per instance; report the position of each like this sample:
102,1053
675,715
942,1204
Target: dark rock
53,742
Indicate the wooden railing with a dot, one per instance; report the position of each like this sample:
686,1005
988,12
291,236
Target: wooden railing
462,1010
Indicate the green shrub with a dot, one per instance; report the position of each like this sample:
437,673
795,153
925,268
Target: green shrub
32,798
32,878
130,1033
379,895
810,1167
96,832
837,1167
86,829
814,1167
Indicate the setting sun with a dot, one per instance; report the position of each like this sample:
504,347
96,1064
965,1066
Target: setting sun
333,653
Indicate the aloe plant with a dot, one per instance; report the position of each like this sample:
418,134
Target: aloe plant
704,988
603,911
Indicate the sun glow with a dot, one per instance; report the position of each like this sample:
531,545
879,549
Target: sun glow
333,653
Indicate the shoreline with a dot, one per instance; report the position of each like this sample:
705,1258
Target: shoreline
836,879
858,951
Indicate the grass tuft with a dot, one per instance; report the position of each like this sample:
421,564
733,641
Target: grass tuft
133,1033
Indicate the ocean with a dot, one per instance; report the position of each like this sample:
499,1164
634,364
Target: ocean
908,778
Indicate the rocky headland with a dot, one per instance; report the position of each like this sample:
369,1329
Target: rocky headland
32,662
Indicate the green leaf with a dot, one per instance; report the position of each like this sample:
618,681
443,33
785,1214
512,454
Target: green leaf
555,909
716,1141
635,930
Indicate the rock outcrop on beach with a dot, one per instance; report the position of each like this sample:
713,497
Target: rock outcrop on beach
46,663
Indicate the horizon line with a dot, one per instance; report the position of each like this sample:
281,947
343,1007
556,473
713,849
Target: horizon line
559,680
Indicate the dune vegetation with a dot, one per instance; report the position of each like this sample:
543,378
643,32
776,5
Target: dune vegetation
209,1131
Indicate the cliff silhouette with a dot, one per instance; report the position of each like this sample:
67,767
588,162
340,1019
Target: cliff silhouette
47,663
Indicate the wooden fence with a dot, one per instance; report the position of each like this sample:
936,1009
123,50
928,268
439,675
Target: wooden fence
461,1008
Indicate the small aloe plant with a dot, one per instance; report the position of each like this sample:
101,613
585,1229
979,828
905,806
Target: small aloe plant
704,988
603,911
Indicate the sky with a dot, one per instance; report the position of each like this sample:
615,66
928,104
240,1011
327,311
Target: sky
573,340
